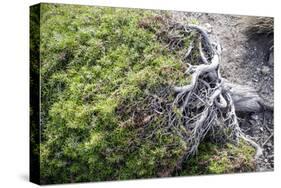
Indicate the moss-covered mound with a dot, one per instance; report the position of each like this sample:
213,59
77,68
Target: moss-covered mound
101,70
217,159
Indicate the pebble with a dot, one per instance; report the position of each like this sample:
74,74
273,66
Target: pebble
265,70
255,117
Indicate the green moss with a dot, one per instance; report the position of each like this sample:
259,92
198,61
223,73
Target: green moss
99,68
218,159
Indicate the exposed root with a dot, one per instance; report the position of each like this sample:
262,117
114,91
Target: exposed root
209,101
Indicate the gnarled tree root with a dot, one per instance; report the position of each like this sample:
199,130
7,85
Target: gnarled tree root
209,101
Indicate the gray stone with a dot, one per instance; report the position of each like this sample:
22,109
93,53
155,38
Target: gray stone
255,117
265,70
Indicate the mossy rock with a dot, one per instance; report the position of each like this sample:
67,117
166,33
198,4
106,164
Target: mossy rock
99,67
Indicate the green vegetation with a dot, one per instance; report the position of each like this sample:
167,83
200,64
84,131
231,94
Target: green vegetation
99,69
218,159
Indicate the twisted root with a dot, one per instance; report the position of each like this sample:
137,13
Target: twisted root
209,99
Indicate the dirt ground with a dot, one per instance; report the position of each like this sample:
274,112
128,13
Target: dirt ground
244,61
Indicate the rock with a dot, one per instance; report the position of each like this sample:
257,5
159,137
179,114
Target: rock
265,70
255,117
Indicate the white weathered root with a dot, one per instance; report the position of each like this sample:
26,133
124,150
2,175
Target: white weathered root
209,98
238,131
254,144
